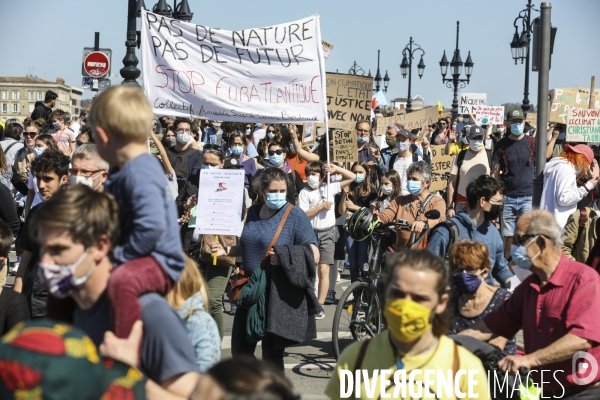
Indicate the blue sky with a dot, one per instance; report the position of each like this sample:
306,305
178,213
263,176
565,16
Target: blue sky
47,38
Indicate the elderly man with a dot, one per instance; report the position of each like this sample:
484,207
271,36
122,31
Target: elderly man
390,139
557,308
88,168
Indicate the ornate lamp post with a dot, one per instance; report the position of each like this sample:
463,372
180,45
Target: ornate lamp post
519,47
406,67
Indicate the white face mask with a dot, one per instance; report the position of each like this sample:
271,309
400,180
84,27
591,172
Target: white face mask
313,181
476,145
403,146
387,190
84,180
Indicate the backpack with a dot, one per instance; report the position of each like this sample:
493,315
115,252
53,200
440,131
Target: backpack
454,235
504,161
460,158
393,158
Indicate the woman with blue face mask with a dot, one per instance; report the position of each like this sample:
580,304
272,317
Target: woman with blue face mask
237,151
273,135
262,223
360,193
472,298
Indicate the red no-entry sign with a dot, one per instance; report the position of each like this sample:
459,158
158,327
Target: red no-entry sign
96,64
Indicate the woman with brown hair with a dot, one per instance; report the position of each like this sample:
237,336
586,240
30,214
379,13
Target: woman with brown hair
568,178
359,194
472,297
415,298
273,135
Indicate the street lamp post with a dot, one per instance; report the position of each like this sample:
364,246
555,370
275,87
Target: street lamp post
408,55
456,65
520,47
356,69
386,78
130,72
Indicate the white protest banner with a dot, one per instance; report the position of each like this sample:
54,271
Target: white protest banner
469,102
489,115
583,125
220,198
274,74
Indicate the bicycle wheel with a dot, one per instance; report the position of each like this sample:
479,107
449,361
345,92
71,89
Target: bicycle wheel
353,306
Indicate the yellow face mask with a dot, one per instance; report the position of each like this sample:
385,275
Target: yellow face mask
406,320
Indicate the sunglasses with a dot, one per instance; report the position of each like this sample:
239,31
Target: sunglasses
523,239
271,130
273,152
30,134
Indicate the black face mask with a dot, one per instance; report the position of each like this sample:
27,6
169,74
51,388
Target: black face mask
493,213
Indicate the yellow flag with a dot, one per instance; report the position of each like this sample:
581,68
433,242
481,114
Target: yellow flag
440,109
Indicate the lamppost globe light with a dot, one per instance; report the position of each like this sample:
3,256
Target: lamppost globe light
386,81
514,47
444,65
404,67
520,47
421,67
456,63
139,5
162,8
469,66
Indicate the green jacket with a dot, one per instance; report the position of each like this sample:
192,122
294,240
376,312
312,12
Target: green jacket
253,296
581,251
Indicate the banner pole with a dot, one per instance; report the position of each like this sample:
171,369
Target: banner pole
328,159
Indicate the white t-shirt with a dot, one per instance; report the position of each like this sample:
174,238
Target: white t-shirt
76,128
32,184
258,135
308,199
401,165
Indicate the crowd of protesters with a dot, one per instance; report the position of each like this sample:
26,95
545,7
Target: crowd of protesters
100,212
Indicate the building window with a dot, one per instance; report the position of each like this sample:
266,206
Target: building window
61,97
15,108
40,96
15,95
76,111
73,102
4,107
4,95
31,95
31,107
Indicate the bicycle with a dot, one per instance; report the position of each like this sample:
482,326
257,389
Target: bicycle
362,315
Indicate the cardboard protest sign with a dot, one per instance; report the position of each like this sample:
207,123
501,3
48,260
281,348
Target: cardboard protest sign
562,100
531,119
415,119
440,164
489,115
308,135
469,102
274,74
220,189
327,48
345,148
348,99
583,125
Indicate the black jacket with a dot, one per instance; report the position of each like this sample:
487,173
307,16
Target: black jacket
41,111
8,211
292,303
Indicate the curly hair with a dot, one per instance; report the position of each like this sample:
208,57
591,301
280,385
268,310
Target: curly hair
51,161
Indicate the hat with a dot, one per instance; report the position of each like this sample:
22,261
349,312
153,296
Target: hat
515,114
45,359
475,131
404,132
582,149
232,163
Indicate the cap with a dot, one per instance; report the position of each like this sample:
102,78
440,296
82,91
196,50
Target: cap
515,114
475,131
232,163
582,149
46,359
404,132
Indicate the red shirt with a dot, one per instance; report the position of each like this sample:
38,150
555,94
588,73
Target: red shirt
568,303
298,164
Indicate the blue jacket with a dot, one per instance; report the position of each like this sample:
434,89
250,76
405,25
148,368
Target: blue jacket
486,233
203,332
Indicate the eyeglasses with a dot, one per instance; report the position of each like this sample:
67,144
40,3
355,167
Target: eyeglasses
212,147
273,152
470,271
83,172
521,239
362,130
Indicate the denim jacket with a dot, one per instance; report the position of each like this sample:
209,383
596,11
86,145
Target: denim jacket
203,332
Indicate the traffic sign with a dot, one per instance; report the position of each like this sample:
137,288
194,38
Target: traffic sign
96,64
94,83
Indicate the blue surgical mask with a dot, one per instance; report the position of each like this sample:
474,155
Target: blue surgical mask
359,178
414,187
519,254
205,166
466,120
362,139
501,130
403,146
453,126
517,129
464,140
276,159
276,200
38,151
562,136
466,283
237,150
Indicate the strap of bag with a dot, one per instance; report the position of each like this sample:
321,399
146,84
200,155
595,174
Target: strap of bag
279,228
8,148
361,354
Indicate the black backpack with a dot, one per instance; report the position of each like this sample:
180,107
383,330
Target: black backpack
179,162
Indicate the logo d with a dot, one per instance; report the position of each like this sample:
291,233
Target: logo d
584,368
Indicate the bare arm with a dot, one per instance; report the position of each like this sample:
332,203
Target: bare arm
306,155
342,207
316,253
561,350
350,176
181,385
550,147
311,212
451,189
496,171
163,153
